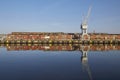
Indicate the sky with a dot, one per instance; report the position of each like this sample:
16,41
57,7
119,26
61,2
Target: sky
59,16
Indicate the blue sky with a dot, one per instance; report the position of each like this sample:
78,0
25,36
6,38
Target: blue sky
58,15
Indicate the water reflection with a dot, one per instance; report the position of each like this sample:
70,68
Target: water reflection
84,49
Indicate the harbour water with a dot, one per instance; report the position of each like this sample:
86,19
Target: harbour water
59,65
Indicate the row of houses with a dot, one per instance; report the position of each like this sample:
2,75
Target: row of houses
56,36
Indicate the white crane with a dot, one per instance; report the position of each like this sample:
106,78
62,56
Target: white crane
84,24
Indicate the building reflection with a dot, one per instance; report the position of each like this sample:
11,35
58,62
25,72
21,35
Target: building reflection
50,47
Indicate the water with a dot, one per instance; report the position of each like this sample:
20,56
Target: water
59,65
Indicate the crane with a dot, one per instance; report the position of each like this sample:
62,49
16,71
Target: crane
84,24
